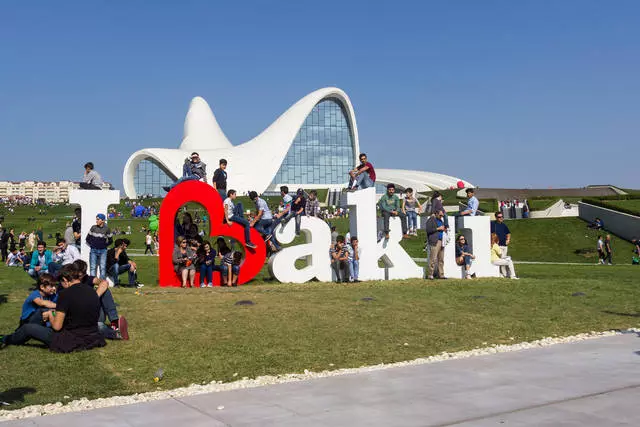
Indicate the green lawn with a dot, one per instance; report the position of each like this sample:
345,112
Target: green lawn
201,335
632,204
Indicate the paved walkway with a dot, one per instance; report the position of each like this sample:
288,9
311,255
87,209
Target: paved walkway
588,383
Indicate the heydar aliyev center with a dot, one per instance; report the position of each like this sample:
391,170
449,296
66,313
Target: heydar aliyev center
313,144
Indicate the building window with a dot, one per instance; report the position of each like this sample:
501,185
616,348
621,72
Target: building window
149,178
322,151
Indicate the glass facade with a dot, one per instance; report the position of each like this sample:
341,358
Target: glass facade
322,151
149,178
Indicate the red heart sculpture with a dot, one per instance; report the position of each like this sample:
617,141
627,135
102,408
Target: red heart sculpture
207,196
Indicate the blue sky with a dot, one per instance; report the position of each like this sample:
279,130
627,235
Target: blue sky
511,94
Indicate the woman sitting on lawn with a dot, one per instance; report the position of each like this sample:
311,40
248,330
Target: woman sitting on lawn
207,261
183,258
497,259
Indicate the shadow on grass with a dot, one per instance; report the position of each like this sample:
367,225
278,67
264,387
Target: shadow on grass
16,394
621,314
3,298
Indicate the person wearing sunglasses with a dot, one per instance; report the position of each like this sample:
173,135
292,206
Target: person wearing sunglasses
464,256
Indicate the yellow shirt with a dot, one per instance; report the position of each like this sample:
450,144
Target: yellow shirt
496,253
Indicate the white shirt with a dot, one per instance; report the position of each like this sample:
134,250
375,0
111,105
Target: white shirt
148,240
228,208
68,255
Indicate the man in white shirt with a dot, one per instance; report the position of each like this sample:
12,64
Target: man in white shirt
231,217
64,254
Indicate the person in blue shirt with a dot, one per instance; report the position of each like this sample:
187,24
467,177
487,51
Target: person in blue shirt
472,204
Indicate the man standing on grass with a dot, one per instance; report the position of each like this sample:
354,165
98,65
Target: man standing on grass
99,239
472,203
435,229
607,249
504,236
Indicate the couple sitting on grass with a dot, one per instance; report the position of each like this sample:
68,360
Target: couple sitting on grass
187,257
70,318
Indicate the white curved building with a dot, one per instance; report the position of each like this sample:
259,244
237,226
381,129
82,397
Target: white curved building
312,145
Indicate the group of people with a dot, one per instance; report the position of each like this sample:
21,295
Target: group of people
67,312
437,228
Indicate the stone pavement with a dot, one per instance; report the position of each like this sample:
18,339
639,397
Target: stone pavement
588,383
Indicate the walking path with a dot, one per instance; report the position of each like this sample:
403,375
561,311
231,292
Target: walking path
589,383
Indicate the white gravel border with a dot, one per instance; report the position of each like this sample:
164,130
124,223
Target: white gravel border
85,404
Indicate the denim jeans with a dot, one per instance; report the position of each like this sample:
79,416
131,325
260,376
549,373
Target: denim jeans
223,194
354,268
106,331
243,222
98,256
28,331
341,269
362,181
35,274
54,267
206,272
385,221
412,219
108,305
183,179
117,270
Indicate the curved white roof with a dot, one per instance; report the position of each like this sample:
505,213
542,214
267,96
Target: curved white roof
253,164
420,181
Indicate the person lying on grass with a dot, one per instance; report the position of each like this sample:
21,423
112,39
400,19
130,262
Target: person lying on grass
74,322
118,328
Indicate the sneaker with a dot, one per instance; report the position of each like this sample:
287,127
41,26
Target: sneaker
166,188
123,328
268,237
210,285
251,245
203,285
473,276
139,285
515,278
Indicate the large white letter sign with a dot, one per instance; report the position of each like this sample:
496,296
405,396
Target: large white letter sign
363,224
282,265
92,202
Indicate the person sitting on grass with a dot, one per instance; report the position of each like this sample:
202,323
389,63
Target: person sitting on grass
40,260
339,260
63,254
14,260
206,256
118,262
40,300
464,256
74,322
118,327
232,215
497,259
183,258
598,224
